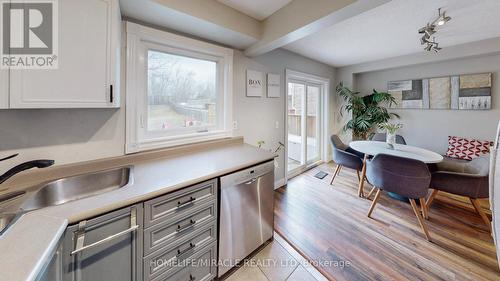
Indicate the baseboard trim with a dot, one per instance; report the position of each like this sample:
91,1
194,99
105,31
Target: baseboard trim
279,183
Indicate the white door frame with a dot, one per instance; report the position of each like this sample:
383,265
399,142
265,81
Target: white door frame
292,75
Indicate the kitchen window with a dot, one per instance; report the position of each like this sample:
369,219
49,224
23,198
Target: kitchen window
178,90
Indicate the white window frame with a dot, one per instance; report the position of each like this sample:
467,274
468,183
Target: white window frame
140,40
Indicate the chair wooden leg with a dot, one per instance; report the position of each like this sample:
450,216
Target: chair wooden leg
359,177
374,202
337,170
423,207
420,219
481,213
362,181
370,193
429,201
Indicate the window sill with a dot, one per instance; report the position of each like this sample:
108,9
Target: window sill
175,141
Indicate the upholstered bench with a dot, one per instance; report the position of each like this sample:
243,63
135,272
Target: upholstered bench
464,171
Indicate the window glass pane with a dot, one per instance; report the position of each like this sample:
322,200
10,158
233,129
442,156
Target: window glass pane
181,92
313,124
296,94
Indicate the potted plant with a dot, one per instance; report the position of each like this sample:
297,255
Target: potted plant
367,111
391,130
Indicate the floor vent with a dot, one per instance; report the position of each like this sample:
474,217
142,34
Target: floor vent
321,175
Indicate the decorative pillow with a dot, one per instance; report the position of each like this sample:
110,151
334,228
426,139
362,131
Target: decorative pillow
467,149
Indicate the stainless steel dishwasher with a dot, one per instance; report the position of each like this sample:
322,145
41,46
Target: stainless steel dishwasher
246,213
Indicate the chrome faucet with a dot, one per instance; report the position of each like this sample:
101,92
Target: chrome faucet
43,163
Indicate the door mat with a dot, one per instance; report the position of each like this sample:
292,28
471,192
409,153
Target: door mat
321,175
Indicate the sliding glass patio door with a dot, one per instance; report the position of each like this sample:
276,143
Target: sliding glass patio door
304,125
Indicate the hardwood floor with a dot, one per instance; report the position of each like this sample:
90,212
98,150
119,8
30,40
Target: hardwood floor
328,224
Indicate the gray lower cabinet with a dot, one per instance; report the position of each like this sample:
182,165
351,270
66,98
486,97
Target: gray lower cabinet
168,238
106,248
180,235
53,272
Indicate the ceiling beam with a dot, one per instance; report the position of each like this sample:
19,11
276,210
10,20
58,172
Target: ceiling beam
216,13
301,18
484,47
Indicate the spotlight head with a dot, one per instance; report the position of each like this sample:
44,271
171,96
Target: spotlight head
442,19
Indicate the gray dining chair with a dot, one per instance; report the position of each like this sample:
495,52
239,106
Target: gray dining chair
382,136
344,156
407,177
467,179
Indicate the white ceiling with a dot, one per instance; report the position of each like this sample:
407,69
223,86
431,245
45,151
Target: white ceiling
257,9
390,30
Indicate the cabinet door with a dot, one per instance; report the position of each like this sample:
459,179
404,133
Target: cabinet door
110,252
85,61
4,88
53,272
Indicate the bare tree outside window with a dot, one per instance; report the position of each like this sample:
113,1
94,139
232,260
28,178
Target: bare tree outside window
181,92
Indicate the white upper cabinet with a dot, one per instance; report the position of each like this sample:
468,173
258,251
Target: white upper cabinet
4,89
88,61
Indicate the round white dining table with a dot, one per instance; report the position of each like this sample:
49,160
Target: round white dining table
372,148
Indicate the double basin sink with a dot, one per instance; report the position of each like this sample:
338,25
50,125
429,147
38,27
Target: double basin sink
14,204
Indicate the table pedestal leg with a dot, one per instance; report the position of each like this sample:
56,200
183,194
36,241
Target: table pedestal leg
362,181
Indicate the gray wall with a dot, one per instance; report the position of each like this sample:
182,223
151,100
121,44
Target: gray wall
66,135
256,117
72,135
430,128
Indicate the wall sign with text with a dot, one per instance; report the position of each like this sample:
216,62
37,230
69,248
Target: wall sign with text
273,85
255,83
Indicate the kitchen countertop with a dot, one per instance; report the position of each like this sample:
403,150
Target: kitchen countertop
162,173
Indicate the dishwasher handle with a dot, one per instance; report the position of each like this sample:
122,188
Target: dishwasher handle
251,181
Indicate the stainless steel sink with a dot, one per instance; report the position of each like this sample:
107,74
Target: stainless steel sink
61,191
69,189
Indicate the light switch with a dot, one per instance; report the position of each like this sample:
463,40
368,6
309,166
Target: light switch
277,124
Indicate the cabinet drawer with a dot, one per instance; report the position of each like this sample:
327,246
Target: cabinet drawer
175,257
163,233
200,267
176,204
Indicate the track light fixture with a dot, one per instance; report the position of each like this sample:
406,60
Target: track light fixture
430,29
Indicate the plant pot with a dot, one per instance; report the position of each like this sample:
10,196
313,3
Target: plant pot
390,138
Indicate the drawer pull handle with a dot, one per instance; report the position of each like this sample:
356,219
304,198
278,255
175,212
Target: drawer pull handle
180,253
191,277
81,234
188,202
186,226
